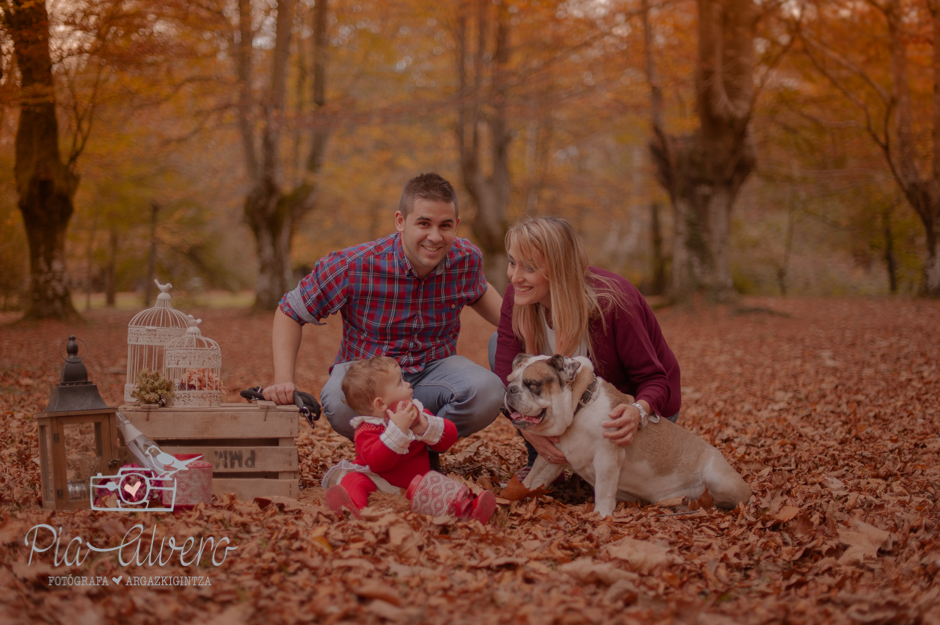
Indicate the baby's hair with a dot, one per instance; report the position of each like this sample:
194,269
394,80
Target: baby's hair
361,383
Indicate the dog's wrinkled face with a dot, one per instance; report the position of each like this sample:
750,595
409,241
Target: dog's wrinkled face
539,396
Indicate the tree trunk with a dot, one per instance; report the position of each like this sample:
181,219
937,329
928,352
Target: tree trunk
269,219
490,192
704,171
932,266
88,253
152,261
110,299
784,267
45,185
921,190
890,261
659,261
270,212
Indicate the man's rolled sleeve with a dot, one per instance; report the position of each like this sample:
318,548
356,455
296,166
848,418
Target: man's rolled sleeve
320,294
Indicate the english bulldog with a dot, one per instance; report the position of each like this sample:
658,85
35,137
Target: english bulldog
559,396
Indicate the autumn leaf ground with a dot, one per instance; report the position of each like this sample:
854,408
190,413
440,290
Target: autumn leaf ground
827,407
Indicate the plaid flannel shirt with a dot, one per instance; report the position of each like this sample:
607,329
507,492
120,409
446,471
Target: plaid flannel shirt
387,310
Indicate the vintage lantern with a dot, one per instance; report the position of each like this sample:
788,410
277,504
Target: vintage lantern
77,437
147,335
194,365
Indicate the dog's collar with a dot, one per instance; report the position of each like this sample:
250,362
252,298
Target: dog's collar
587,395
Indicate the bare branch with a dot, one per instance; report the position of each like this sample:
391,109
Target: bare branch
839,59
869,126
81,137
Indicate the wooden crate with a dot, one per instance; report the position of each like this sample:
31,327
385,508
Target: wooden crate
252,447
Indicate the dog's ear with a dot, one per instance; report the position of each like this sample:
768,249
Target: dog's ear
519,359
567,367
517,362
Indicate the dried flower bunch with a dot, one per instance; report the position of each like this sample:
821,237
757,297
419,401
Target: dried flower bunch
201,379
152,388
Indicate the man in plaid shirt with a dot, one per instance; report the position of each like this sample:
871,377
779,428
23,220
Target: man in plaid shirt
400,296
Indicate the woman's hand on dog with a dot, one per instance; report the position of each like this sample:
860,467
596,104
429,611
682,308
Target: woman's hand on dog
626,419
545,445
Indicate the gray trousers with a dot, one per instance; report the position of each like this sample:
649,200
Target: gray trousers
454,388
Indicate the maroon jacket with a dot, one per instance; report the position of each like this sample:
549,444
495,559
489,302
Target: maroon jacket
632,355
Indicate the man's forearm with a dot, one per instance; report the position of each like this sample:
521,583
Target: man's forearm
286,336
488,305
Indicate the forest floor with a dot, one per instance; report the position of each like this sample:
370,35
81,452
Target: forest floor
827,407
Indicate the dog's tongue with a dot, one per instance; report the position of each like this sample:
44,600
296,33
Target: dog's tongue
515,415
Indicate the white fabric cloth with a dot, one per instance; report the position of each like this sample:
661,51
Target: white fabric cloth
550,342
338,471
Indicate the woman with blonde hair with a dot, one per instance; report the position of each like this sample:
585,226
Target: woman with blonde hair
556,303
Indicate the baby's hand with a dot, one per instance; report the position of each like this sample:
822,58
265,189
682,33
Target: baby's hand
403,414
420,426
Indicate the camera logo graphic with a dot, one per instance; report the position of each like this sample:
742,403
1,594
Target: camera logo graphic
135,487
140,488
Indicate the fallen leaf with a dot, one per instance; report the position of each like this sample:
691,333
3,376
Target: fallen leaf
12,531
386,610
862,544
372,589
237,614
622,591
404,540
786,513
352,563
642,556
515,491
588,570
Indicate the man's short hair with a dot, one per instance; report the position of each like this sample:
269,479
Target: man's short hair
429,187
362,381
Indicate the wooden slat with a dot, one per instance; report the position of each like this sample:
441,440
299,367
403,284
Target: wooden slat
260,406
221,423
76,413
248,489
241,459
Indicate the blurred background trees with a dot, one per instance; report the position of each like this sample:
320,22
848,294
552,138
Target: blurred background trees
795,144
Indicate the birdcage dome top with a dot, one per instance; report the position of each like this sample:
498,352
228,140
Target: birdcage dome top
193,339
162,315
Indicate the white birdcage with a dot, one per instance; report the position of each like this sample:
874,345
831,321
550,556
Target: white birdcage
194,365
147,335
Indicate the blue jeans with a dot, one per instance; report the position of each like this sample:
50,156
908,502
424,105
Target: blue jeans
454,388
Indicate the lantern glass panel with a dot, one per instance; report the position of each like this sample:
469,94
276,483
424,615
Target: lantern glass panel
45,461
83,457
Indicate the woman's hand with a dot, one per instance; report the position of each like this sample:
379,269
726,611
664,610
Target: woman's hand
545,445
625,421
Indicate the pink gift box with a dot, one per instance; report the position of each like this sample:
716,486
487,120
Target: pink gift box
193,485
